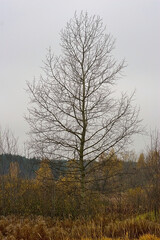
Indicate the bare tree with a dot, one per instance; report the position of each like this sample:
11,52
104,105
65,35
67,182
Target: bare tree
74,112
8,142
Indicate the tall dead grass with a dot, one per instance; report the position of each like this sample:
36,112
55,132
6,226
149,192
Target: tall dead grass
100,228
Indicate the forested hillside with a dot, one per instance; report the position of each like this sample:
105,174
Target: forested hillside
27,167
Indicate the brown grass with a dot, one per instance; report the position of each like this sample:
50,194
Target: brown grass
38,228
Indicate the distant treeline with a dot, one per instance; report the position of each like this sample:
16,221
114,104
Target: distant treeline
29,166
128,176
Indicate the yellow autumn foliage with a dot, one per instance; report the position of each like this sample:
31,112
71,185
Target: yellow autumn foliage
44,174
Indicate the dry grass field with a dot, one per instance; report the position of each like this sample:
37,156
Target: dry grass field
99,228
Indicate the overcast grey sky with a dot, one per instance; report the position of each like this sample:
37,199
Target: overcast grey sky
29,27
